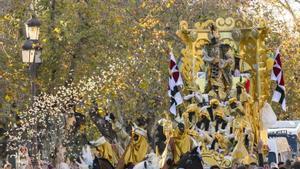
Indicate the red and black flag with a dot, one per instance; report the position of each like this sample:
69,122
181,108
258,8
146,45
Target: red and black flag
175,82
277,75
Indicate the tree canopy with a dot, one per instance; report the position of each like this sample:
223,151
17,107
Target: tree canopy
122,44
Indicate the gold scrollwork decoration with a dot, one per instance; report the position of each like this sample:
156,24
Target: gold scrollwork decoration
227,23
239,23
200,43
211,157
230,42
204,25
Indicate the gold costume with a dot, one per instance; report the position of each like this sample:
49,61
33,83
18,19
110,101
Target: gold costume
219,111
137,148
182,144
240,151
219,93
239,124
204,112
105,150
223,142
245,99
167,125
191,108
238,110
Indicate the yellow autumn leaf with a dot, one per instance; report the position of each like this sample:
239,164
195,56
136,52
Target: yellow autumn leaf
144,85
56,30
7,98
143,4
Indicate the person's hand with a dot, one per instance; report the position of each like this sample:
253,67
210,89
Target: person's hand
167,49
216,60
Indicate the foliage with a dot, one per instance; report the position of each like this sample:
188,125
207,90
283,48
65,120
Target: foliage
122,44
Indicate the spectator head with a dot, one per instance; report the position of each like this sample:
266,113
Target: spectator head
288,163
7,166
214,167
296,165
273,166
252,165
266,165
280,164
241,167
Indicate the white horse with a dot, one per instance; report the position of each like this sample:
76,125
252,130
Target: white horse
86,161
7,165
23,160
60,158
151,162
62,165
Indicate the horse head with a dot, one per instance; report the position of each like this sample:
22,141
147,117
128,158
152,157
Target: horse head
101,163
191,160
87,159
151,162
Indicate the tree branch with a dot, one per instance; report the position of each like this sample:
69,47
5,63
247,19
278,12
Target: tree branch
287,6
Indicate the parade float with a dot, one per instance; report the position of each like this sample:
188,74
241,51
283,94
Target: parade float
226,61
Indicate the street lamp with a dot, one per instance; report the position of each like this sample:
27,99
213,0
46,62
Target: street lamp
31,53
32,27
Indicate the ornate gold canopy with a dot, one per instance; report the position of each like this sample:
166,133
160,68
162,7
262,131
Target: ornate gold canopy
248,44
246,40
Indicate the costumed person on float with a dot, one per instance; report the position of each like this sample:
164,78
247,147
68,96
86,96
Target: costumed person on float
137,148
204,119
122,137
105,150
241,130
163,133
216,91
236,111
203,137
191,115
219,113
246,103
194,96
218,58
220,143
191,119
179,143
243,97
216,113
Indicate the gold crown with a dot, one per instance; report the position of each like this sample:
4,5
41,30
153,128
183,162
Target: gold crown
232,100
214,101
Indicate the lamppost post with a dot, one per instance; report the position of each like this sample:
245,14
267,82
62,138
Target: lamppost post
31,54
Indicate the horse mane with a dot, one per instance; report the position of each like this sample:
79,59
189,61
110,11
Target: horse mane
160,139
129,166
100,162
191,160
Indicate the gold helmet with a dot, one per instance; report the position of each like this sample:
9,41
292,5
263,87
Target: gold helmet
232,100
214,102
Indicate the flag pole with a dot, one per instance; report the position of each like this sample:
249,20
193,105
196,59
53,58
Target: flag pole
258,91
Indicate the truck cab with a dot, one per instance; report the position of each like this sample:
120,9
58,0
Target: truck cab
283,141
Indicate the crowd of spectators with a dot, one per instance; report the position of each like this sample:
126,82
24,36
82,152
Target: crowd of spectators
281,165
